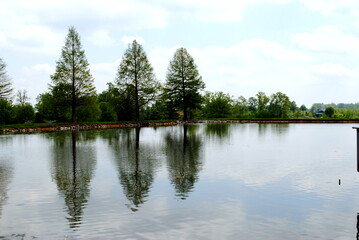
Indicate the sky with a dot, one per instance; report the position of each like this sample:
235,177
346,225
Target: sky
307,49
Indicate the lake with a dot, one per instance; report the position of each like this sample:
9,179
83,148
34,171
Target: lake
205,181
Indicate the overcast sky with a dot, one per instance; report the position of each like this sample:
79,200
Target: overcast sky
307,49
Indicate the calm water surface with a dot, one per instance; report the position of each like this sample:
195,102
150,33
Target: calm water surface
215,181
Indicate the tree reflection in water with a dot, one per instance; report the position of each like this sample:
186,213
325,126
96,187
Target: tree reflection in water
6,173
276,129
135,164
6,170
73,165
219,131
183,159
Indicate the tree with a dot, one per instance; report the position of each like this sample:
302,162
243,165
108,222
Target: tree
135,77
262,105
5,82
107,112
293,106
23,113
329,111
5,111
279,106
303,108
183,82
72,71
217,105
22,97
241,107
252,105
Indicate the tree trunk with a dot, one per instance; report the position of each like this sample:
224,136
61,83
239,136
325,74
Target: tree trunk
137,105
185,113
73,93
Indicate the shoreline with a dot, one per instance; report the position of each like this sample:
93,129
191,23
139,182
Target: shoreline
102,126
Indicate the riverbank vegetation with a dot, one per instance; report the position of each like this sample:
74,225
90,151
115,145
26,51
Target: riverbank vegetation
136,94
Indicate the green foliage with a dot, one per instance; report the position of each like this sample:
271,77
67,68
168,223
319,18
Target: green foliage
73,74
5,111
303,108
157,111
262,105
90,111
347,113
217,105
293,106
183,83
322,106
252,105
122,103
5,82
55,106
241,108
136,79
23,113
107,112
279,106
50,107
329,111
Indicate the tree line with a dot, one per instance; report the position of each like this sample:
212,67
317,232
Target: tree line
135,95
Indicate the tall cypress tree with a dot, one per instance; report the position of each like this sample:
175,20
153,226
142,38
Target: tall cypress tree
5,82
183,82
135,77
73,73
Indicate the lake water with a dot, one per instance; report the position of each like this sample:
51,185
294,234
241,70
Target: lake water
214,181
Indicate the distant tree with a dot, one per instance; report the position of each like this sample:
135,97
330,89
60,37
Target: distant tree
217,105
135,77
45,107
5,111
88,110
252,105
317,106
303,108
22,97
293,106
23,113
279,105
262,105
329,111
5,82
73,73
241,107
107,112
183,82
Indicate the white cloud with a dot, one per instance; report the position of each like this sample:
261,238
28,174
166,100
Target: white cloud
213,11
328,39
244,68
333,70
39,26
46,68
31,39
331,7
130,39
34,79
90,14
104,73
101,38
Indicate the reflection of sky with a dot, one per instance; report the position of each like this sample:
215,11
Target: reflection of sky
258,182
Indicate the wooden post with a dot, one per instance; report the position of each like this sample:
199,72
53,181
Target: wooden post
357,128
